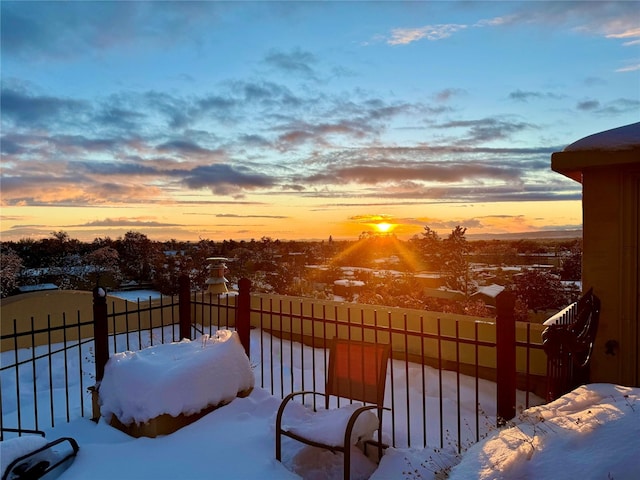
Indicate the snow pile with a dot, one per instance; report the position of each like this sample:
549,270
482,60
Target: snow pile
183,377
328,426
14,448
592,432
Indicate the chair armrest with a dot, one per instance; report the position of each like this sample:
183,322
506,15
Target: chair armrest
287,399
354,418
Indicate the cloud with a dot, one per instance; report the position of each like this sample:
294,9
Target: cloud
232,215
37,110
588,105
295,62
608,19
487,129
99,27
611,108
497,21
524,96
121,118
433,172
303,132
619,29
68,188
187,148
405,36
448,93
615,20
630,68
124,222
224,179
114,169
266,93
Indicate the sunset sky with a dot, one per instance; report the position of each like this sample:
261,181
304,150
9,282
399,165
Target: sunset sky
301,120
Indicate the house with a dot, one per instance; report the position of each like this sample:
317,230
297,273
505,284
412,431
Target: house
607,164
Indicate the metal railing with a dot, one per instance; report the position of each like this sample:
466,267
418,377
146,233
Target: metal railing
28,376
434,360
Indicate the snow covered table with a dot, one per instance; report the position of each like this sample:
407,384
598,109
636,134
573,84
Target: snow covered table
159,389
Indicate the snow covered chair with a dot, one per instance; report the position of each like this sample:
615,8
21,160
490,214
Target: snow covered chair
356,371
31,457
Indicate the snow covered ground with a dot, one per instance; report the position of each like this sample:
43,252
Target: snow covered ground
593,432
135,295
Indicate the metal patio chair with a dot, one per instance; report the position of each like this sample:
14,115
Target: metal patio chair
357,371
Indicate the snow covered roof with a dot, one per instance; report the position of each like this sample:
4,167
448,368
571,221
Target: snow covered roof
621,138
491,291
610,148
37,288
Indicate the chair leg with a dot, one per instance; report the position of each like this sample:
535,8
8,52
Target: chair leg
278,445
347,462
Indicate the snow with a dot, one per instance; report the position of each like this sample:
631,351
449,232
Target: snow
349,283
328,426
621,138
492,290
38,287
592,432
174,378
135,295
14,448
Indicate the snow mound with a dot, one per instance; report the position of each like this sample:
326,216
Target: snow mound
177,378
14,448
591,432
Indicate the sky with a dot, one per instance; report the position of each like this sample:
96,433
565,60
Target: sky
591,432
304,120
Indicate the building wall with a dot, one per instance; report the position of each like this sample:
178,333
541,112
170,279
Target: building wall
610,266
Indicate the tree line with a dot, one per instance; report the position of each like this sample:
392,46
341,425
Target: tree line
386,265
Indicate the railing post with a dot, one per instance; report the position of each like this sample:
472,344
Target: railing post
184,307
100,345
100,331
243,313
505,357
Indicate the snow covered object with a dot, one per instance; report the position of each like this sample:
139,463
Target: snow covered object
159,389
32,457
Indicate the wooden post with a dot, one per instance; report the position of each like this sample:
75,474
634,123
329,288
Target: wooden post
505,357
243,313
184,308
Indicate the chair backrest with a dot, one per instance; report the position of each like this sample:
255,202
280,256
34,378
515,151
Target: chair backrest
357,370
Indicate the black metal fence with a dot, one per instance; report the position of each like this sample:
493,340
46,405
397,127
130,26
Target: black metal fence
44,361
440,389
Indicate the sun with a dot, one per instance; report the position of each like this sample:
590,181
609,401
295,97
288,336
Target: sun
384,227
